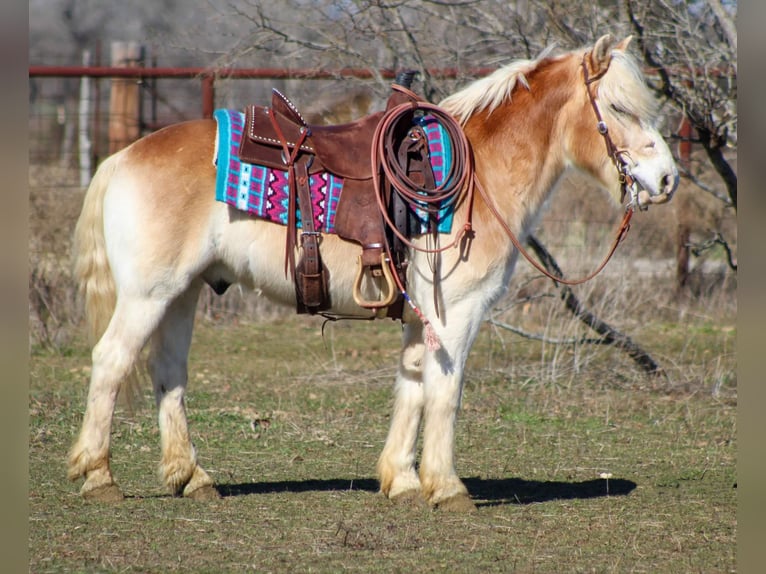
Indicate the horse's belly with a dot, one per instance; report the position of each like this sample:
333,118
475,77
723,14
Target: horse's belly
251,252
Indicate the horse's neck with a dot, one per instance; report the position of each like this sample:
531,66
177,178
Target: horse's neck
519,169
520,147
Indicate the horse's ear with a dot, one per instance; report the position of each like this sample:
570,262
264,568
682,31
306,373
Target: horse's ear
622,46
601,53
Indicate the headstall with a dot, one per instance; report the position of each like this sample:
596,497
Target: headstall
627,181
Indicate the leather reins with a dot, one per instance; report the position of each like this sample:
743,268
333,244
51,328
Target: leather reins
626,181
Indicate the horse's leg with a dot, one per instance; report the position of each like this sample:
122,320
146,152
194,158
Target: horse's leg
114,358
168,369
442,389
396,465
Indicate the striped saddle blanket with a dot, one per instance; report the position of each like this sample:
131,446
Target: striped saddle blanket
263,192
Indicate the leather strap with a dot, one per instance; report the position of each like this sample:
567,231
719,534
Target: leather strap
288,157
308,278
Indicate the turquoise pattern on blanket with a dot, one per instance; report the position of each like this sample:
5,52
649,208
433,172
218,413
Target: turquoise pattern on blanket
263,192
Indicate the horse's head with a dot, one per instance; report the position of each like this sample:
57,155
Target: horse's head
619,115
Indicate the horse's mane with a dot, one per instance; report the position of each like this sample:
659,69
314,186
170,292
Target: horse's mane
622,88
491,91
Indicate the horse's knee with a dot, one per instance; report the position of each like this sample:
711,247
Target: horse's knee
411,362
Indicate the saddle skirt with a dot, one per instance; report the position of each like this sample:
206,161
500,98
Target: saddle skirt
263,190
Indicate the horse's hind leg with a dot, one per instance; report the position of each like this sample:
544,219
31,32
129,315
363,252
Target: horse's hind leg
168,369
396,465
114,358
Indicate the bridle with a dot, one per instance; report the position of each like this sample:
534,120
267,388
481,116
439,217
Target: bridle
627,182
623,169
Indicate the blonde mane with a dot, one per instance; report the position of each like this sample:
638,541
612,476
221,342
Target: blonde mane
622,89
491,91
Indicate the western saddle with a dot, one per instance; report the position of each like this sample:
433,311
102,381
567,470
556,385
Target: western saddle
280,138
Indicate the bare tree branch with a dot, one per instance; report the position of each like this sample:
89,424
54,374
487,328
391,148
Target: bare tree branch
716,239
696,64
611,336
544,339
726,23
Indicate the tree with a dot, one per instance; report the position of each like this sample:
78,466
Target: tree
693,48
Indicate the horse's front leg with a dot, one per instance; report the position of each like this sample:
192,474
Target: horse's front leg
179,468
396,466
442,388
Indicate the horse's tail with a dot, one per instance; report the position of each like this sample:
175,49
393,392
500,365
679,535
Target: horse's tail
92,272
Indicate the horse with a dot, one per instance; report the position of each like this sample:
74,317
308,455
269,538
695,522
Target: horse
142,255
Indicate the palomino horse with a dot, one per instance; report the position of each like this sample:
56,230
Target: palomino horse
143,254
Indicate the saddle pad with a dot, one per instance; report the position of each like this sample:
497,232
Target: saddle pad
263,192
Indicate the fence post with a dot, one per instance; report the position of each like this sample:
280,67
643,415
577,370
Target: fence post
84,124
683,237
208,95
124,98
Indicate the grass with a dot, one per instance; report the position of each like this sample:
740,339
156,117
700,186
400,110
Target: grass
599,470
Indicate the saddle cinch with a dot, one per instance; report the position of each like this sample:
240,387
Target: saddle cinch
280,138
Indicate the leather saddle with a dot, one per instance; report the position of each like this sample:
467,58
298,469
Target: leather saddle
280,138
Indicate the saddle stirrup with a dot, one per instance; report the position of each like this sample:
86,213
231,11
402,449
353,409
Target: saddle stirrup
387,295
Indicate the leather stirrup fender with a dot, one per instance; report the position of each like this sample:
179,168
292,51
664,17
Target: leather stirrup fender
387,295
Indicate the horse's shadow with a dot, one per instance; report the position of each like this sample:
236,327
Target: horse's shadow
484,491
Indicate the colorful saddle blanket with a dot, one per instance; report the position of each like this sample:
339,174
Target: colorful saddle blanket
263,192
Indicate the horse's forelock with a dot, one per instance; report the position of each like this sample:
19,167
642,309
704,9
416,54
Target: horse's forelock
624,87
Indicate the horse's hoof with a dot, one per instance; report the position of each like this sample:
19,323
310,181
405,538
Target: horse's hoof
457,503
412,498
104,493
206,492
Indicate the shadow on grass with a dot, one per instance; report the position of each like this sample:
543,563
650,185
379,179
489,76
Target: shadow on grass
484,491
329,485
494,492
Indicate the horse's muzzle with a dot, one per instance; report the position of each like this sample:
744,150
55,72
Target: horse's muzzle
666,190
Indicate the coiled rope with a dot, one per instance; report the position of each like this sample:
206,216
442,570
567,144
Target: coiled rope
384,160
457,184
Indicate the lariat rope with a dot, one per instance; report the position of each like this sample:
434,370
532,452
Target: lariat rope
460,176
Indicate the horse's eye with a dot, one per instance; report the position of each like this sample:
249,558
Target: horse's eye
620,111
